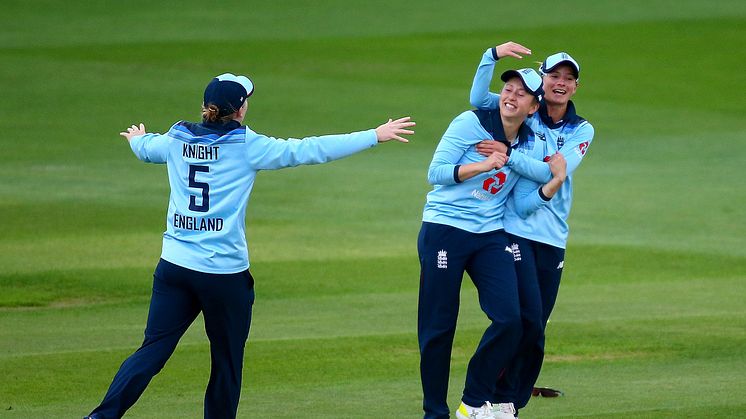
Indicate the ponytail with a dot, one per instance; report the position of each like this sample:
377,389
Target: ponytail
211,113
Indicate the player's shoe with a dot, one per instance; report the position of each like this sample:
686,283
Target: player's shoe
505,411
486,411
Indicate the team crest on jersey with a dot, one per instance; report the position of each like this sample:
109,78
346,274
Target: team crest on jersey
560,142
442,259
542,136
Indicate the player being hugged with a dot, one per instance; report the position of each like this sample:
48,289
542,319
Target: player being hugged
204,265
462,231
538,238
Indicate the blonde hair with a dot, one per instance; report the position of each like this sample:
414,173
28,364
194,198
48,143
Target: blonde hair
211,112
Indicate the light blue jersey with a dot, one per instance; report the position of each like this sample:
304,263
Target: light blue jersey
211,171
476,204
572,136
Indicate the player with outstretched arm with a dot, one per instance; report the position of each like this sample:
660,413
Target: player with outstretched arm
462,231
538,239
204,265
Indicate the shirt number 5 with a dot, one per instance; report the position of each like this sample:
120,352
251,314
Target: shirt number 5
205,206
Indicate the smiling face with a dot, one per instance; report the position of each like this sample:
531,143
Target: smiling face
516,101
560,85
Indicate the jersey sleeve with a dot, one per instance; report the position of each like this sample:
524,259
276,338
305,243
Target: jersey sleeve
269,153
451,149
480,96
531,167
150,148
575,149
527,198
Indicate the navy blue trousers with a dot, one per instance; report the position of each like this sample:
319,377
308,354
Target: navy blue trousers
179,295
445,254
539,268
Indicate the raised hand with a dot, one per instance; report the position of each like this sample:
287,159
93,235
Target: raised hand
133,131
512,49
393,129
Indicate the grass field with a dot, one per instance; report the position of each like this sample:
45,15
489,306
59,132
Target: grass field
650,320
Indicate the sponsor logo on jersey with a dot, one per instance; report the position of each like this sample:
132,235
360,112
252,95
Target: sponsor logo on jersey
481,195
494,183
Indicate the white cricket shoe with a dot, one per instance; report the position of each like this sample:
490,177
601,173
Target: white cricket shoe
469,412
504,411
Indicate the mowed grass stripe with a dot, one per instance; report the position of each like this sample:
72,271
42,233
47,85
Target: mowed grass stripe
320,375
299,278
587,322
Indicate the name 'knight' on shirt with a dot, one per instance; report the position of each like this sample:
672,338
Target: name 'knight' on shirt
199,151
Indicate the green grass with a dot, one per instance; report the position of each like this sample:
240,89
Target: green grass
650,319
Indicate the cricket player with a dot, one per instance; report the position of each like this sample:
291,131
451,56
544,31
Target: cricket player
462,231
538,239
204,265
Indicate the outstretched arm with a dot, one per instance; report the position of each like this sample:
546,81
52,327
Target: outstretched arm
392,130
150,148
133,131
269,153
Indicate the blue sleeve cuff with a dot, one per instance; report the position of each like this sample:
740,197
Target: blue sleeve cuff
455,174
494,54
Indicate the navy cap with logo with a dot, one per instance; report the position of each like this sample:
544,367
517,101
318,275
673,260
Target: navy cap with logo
228,92
554,60
529,77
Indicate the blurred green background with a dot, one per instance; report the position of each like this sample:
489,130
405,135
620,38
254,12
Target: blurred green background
650,320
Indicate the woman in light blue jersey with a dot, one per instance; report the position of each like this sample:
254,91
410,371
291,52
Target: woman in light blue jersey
204,266
538,238
462,231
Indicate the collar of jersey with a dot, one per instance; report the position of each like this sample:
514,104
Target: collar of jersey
524,132
570,115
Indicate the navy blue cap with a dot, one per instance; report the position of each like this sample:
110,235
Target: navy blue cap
228,92
529,77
